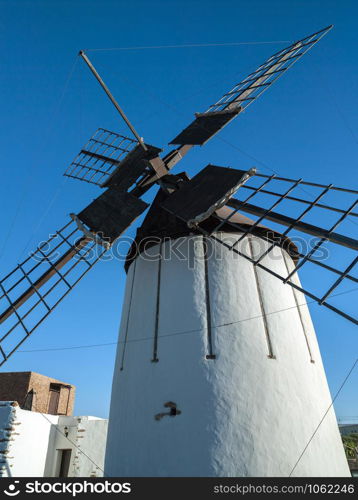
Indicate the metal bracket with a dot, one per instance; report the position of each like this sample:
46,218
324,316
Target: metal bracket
89,234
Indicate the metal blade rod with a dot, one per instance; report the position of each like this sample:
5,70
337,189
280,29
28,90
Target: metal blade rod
112,99
321,241
314,184
339,280
340,239
273,273
267,211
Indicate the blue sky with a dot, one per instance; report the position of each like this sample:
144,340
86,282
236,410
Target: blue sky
304,126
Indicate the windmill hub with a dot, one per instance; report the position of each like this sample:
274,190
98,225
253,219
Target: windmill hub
160,225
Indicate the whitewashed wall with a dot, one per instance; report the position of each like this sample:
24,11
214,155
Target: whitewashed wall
87,437
29,438
244,413
30,443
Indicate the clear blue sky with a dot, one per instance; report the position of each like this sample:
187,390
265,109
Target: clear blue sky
304,126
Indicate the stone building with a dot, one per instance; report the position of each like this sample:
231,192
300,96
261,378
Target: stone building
39,437
36,392
34,444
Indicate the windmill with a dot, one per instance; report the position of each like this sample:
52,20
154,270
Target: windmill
215,333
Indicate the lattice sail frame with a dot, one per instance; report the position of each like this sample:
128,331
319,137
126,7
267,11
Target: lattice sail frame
206,125
100,157
30,292
320,247
249,89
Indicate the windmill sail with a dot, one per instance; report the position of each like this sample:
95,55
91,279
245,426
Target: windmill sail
100,157
284,203
257,82
205,193
110,159
30,292
219,114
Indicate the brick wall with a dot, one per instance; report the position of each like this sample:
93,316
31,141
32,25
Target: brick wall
14,386
41,385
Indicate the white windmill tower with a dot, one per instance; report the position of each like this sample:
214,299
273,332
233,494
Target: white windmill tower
218,370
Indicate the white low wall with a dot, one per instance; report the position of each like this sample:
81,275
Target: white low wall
28,440
87,439
31,443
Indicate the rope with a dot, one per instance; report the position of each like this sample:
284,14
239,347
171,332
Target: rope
324,416
182,332
187,45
